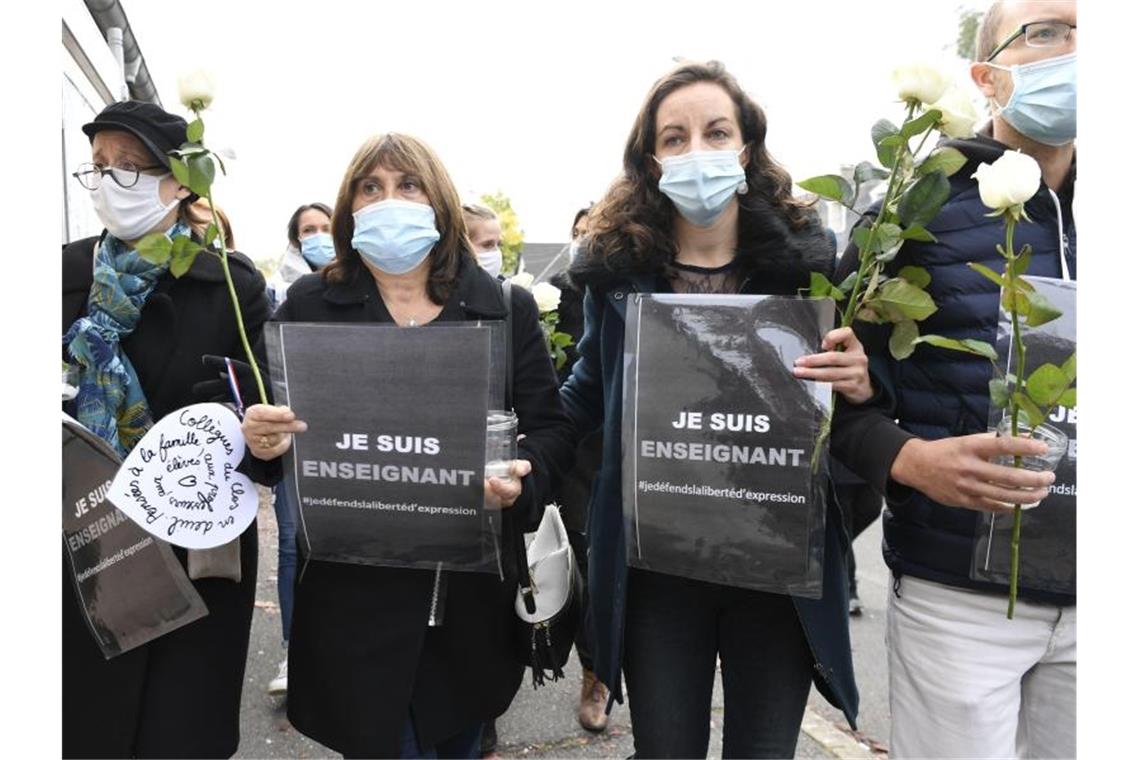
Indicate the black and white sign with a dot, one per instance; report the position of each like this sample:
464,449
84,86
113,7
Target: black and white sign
718,437
390,471
1048,555
128,584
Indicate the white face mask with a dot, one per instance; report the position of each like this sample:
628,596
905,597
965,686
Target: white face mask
130,213
491,260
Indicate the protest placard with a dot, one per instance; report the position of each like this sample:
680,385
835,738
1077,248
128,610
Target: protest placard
128,585
1048,553
718,437
390,470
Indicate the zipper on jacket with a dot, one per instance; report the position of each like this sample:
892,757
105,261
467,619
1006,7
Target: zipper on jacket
435,614
1062,238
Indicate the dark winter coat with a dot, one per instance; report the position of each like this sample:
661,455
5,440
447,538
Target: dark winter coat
360,650
593,397
940,393
179,695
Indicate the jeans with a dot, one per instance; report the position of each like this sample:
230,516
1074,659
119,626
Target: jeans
966,682
284,505
674,629
465,744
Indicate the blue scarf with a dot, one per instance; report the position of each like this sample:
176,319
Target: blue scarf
111,402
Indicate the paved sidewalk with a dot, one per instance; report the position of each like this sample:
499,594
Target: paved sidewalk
542,722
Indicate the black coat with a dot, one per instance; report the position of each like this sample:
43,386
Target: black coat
179,695
360,650
779,263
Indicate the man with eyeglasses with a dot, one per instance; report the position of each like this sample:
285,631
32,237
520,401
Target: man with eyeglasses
964,680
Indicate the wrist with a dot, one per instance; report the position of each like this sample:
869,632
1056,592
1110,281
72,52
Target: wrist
905,465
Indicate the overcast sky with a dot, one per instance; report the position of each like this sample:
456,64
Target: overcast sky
535,99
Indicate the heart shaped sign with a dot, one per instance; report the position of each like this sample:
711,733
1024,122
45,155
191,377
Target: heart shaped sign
181,484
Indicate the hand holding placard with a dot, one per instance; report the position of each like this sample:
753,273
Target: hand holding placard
180,482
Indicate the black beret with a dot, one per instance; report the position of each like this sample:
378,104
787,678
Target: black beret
158,130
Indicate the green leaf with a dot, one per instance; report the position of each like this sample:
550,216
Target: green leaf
902,339
211,234
181,171
999,393
848,283
1021,262
1046,384
916,276
183,254
201,175
155,248
969,346
880,131
1040,310
988,273
910,302
561,339
195,130
1033,413
890,235
218,158
863,239
830,186
919,233
1068,399
923,200
821,287
866,171
920,124
868,314
1069,367
945,160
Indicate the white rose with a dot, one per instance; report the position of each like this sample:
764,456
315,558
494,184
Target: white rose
920,81
1008,182
196,89
523,280
958,114
546,296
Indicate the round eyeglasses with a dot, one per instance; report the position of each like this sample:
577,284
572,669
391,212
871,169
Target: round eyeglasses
1038,34
125,175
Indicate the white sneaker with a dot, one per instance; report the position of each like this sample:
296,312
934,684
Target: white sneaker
280,684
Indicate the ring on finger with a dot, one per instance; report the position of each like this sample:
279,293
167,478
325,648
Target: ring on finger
263,442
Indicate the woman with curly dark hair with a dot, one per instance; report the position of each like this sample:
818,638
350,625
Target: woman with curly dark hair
701,207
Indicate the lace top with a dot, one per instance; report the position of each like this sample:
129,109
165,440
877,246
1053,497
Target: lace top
688,278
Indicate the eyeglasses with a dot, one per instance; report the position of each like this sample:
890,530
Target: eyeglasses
1038,34
125,175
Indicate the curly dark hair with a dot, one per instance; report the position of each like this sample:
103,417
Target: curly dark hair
632,226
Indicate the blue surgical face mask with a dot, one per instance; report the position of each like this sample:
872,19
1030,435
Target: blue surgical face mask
317,249
1043,104
702,182
394,235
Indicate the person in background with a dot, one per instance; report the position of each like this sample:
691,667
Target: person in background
486,237
373,671
574,492
312,222
309,232
138,336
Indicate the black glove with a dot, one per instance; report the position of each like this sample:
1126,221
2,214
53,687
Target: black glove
219,390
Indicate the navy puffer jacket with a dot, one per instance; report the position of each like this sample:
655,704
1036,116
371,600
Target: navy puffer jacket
941,393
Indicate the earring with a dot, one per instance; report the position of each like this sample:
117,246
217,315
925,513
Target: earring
742,188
